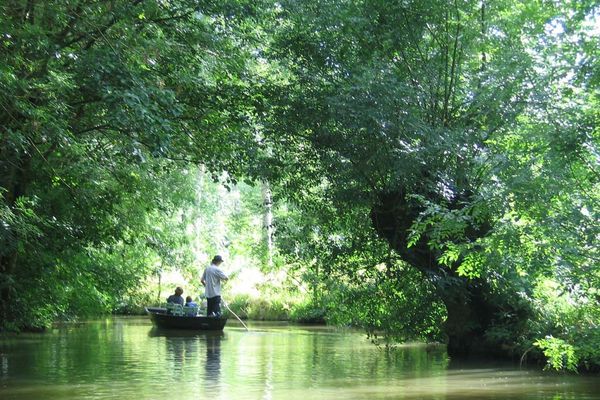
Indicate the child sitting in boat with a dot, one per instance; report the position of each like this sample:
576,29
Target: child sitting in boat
191,308
189,302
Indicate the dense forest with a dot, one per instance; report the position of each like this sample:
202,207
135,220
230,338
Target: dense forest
429,169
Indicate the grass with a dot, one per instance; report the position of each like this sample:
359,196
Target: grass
276,307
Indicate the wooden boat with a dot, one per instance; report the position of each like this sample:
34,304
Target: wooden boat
162,319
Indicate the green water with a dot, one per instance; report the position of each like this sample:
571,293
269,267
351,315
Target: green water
125,358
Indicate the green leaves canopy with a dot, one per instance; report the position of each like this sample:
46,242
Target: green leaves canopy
102,103
430,152
463,131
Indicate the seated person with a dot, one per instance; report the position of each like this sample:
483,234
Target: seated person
189,302
176,298
191,308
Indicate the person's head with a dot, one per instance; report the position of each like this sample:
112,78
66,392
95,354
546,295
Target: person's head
178,291
188,299
217,260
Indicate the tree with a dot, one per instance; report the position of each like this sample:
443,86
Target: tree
102,102
393,109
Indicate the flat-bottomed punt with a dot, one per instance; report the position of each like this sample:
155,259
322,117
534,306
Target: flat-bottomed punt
162,319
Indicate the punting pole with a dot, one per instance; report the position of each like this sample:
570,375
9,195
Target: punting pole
231,311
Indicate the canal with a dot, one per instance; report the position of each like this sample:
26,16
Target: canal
126,358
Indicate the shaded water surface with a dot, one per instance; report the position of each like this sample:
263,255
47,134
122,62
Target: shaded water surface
125,358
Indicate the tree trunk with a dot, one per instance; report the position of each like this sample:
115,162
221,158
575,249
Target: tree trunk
470,303
267,200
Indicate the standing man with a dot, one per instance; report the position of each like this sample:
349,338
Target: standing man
211,279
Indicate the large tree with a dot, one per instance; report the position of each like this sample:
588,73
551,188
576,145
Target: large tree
394,108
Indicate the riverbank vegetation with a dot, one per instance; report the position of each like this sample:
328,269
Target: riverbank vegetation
421,169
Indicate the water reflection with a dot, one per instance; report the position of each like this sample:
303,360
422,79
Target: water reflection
184,350
127,359
213,359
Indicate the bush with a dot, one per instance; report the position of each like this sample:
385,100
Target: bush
308,312
239,305
560,355
270,306
566,329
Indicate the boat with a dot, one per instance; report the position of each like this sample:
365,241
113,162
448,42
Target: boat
162,319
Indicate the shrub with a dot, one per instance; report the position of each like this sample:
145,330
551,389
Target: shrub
308,312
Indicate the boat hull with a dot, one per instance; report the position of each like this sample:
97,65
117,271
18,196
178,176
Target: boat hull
161,319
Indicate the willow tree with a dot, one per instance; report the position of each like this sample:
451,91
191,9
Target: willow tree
390,109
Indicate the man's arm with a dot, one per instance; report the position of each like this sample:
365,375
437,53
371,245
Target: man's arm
223,276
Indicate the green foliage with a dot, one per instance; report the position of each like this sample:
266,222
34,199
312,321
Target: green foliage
103,105
309,312
272,309
351,277
567,325
269,306
401,309
464,133
239,305
433,164
561,355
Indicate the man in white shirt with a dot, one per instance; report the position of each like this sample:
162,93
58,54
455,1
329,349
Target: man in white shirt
211,279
